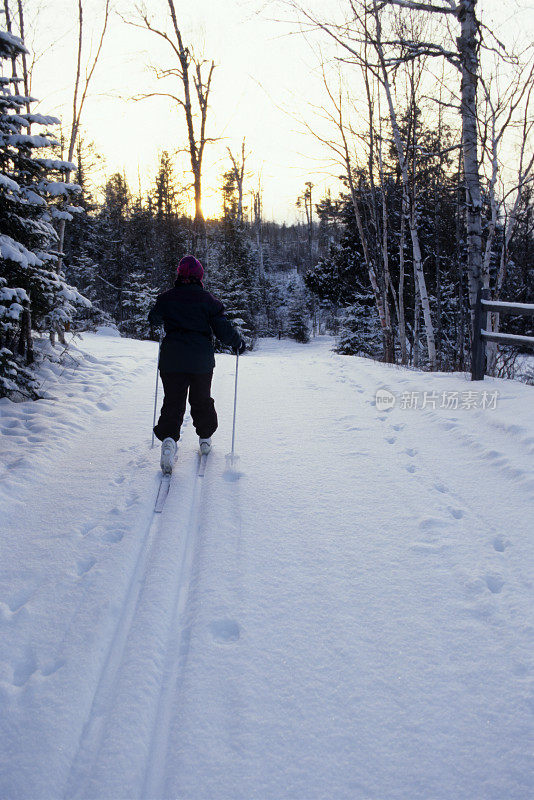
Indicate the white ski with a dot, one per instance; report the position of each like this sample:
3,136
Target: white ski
163,491
165,484
202,465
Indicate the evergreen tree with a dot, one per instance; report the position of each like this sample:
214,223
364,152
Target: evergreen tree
81,238
360,330
234,275
32,292
170,230
113,255
138,299
298,316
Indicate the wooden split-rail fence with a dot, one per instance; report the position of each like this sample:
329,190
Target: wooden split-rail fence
481,335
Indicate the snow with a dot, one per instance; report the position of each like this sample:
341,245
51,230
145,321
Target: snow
12,42
348,614
57,188
55,213
24,140
33,198
9,294
107,330
519,307
19,120
507,337
53,163
41,119
10,250
13,312
7,183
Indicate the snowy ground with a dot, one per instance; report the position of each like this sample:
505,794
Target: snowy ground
349,618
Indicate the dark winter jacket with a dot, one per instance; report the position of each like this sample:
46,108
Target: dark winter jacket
191,316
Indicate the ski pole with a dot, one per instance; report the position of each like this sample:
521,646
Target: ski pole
156,392
232,456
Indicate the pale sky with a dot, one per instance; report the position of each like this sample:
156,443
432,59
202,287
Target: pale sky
264,76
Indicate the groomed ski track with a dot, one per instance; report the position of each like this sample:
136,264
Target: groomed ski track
161,580
348,617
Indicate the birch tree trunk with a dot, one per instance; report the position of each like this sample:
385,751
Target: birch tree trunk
402,313
412,210
468,50
25,76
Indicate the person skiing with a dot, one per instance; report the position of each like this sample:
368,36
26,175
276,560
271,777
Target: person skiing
190,316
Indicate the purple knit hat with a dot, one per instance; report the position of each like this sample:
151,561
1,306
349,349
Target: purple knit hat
190,267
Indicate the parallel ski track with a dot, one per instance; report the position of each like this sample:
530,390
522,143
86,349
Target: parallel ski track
91,737
176,654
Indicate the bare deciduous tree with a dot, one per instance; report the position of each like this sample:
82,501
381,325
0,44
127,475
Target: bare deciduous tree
194,77
238,172
79,96
257,202
343,154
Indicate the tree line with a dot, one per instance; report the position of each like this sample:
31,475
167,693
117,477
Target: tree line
434,157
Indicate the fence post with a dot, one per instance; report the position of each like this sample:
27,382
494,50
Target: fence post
478,348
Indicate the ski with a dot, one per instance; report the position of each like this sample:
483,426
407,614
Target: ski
165,484
202,465
163,491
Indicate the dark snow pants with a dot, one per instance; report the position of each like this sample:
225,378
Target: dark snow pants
176,386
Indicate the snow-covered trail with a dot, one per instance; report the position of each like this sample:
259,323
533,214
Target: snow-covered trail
348,617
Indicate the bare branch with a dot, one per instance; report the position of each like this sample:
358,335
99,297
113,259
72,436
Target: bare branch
415,6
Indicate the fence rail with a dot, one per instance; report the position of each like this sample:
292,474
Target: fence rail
481,336
500,307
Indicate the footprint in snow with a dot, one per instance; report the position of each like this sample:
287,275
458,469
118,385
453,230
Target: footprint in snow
457,513
411,451
432,523
399,427
411,468
84,565
113,536
439,487
496,458
494,583
52,666
225,631
132,499
391,439
87,527
25,668
500,544
19,600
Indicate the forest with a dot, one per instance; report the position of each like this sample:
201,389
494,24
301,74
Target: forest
432,201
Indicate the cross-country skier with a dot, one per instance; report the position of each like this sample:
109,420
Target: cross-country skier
190,316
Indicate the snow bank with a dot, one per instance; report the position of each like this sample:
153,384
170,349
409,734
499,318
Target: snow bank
107,330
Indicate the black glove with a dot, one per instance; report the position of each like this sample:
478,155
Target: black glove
241,347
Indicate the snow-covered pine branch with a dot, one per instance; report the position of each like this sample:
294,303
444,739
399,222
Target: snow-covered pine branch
33,293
